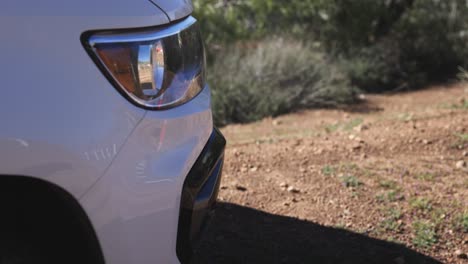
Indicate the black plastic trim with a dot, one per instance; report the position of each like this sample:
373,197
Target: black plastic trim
199,194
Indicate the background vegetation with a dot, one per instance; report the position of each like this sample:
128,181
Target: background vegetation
269,57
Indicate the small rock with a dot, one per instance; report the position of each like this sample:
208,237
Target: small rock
426,142
460,254
361,128
352,137
294,200
284,185
254,169
291,189
465,154
356,146
460,164
319,151
277,122
286,204
223,187
241,188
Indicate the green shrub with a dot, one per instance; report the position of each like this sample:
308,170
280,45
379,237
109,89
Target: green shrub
390,222
375,68
460,222
420,203
426,43
277,76
432,40
424,234
376,46
229,20
350,181
393,44
328,170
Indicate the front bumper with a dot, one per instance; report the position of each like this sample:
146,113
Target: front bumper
134,207
199,194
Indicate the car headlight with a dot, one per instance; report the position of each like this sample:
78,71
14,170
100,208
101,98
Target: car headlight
156,68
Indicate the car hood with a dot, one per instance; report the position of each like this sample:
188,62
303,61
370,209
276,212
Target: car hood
174,9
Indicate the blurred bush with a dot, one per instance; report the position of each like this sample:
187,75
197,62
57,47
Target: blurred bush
379,45
397,44
277,76
463,75
231,20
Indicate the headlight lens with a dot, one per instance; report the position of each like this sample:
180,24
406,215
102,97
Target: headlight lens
156,68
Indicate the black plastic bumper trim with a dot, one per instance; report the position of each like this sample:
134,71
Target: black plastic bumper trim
199,194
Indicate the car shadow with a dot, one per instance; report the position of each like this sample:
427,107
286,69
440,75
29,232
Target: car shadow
239,234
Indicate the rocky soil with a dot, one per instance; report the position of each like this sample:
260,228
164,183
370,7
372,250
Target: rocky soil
385,181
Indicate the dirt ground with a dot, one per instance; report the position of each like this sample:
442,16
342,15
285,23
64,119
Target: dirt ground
382,182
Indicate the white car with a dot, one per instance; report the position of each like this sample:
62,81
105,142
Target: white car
108,152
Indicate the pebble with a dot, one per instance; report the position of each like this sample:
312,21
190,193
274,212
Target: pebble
361,128
277,122
357,146
291,189
465,153
460,164
283,185
241,188
460,254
